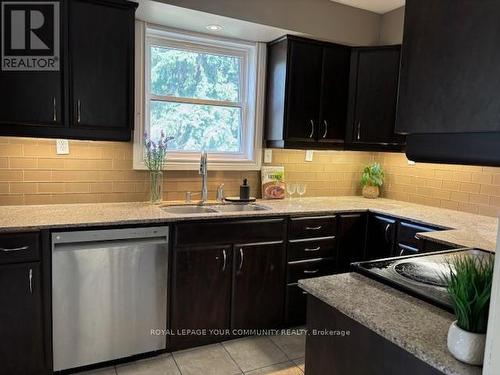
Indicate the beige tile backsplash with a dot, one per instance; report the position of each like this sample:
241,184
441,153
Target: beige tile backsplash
93,172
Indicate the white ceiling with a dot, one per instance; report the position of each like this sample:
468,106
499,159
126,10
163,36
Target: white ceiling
193,20
377,6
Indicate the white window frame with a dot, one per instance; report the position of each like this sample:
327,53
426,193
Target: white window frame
251,96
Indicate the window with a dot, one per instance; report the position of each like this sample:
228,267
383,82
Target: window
203,92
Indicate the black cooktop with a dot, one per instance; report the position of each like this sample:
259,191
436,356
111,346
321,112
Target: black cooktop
422,276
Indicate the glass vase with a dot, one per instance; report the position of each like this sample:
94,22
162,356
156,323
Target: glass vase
155,187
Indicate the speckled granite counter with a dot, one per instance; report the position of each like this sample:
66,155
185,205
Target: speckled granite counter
414,325
467,230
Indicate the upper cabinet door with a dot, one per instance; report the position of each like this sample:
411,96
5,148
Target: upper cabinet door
303,91
374,84
29,97
334,88
101,40
450,73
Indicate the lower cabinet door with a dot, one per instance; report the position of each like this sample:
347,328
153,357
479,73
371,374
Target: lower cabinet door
201,294
296,303
21,320
351,239
380,237
258,286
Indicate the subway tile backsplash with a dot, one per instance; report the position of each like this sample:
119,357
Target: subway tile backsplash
93,172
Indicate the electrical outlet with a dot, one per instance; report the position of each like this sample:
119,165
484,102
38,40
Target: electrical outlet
309,155
62,147
268,155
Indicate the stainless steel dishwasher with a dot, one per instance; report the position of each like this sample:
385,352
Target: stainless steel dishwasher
109,290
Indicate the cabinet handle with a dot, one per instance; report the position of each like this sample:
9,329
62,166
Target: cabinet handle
241,260
54,117
359,131
14,249
314,228
312,129
314,249
224,256
311,272
304,292
401,252
78,111
31,280
326,128
387,233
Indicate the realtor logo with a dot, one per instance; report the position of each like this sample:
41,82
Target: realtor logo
30,35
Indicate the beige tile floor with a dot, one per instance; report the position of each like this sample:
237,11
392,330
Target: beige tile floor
257,355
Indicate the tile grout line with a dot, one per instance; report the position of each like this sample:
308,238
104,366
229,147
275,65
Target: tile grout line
230,356
175,362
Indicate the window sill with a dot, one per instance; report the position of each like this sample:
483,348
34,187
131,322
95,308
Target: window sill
190,165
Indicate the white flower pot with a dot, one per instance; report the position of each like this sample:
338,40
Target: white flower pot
466,346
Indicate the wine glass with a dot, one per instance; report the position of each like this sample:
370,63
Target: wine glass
301,189
290,189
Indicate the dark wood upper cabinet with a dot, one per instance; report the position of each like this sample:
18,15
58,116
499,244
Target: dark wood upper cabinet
21,317
91,96
306,93
448,102
31,98
372,99
449,67
259,280
101,60
201,292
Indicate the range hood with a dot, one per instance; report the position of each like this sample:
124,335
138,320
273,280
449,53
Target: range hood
454,148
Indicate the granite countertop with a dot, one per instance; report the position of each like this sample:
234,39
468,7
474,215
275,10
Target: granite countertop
466,230
414,325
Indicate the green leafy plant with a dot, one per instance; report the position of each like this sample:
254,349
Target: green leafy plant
469,287
373,175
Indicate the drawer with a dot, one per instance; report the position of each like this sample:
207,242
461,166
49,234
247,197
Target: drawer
407,232
310,268
225,232
295,305
312,227
19,247
309,249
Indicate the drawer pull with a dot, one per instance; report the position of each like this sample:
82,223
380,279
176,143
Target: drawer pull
314,249
314,228
304,292
14,249
311,272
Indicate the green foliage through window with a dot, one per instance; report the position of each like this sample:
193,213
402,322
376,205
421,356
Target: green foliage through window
193,76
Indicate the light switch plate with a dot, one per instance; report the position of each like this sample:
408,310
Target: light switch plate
62,147
309,155
268,155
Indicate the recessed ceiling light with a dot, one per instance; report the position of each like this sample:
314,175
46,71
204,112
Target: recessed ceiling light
214,27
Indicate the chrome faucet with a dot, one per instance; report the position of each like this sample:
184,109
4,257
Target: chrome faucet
204,176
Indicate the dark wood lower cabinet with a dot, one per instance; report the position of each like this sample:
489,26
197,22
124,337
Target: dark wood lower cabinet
21,320
258,286
361,352
380,237
201,293
352,236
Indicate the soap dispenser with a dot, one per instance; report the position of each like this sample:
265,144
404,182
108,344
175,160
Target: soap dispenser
244,190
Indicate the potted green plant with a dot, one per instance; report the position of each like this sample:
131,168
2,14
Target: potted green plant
371,180
469,286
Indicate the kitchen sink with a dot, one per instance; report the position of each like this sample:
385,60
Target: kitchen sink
197,209
240,207
188,209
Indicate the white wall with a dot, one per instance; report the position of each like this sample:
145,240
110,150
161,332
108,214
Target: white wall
391,27
322,19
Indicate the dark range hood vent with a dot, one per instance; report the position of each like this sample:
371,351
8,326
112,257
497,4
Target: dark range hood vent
455,148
